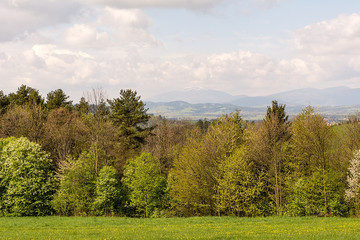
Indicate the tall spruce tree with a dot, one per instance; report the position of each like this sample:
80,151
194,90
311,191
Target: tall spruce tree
269,149
128,114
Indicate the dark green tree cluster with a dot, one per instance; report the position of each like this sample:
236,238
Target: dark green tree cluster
109,157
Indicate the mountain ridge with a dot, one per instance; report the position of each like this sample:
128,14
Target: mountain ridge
335,96
334,103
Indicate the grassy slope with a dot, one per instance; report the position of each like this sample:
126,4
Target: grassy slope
179,228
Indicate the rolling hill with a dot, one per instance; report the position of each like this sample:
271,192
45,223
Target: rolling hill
335,103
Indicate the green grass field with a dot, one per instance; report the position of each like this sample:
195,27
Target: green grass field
179,228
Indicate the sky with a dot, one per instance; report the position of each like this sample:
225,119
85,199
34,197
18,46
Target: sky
250,47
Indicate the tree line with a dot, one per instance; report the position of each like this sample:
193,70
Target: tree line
109,157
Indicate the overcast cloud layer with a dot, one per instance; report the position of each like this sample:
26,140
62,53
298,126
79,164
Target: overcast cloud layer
77,45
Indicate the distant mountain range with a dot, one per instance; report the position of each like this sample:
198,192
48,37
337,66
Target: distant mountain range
336,103
195,96
337,96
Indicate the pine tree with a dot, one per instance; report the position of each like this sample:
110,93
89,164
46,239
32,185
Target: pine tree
57,99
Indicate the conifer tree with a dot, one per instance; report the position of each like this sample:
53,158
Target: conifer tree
57,99
128,114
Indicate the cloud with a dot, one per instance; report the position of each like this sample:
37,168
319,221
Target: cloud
186,4
115,48
266,4
128,25
22,17
113,28
340,36
334,46
196,5
86,35
48,66
246,71
19,17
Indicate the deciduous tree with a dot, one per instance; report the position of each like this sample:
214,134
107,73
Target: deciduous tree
101,133
24,121
194,177
147,187
76,193
166,140
27,179
240,188
65,134
352,193
108,192
312,139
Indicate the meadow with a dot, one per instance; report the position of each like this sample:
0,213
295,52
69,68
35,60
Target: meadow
179,228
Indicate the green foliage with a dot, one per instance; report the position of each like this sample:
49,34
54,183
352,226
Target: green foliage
189,179
3,143
222,167
203,124
193,178
276,111
76,192
129,115
268,147
4,102
166,140
108,192
311,141
100,131
307,196
26,95
57,99
312,149
239,188
83,106
27,179
147,187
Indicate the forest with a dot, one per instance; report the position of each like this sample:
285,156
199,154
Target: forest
109,157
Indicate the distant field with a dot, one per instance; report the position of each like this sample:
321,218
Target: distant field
179,228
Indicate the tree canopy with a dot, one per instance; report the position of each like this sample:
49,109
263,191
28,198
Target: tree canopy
109,157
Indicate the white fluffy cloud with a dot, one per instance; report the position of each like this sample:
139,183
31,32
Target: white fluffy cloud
340,36
333,46
115,48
